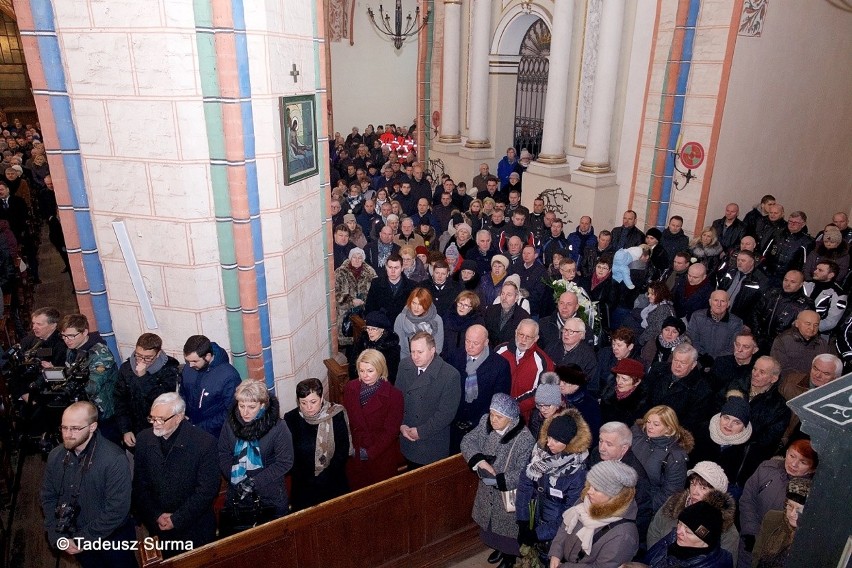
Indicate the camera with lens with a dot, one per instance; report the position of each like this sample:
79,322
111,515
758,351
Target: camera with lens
63,386
244,490
66,517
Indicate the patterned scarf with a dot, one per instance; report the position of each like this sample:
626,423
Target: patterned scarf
545,463
246,456
367,392
324,449
471,386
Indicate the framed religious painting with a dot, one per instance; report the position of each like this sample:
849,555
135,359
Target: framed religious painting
298,137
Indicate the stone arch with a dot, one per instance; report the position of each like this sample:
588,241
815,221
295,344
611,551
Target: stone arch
513,26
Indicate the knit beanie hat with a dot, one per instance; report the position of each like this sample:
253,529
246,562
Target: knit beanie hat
705,521
469,265
501,259
611,477
798,489
562,429
677,323
712,473
505,405
421,250
654,232
737,407
548,394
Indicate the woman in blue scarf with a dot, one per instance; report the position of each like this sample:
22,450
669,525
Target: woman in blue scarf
255,453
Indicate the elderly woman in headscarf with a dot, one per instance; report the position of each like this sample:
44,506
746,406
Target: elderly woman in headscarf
497,450
600,530
255,453
351,285
322,446
553,479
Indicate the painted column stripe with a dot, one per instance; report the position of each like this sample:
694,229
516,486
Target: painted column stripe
44,63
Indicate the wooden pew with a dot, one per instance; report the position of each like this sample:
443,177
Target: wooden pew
420,519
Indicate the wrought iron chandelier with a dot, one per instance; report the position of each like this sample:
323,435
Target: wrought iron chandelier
395,32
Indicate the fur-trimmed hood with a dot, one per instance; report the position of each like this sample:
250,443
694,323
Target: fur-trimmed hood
675,504
581,441
618,506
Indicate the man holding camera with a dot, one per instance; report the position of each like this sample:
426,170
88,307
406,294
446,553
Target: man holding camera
86,494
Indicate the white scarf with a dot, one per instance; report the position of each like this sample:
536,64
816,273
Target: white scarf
580,513
723,440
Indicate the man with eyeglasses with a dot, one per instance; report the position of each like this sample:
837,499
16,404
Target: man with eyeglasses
208,383
43,343
527,361
146,374
88,350
86,493
175,477
572,350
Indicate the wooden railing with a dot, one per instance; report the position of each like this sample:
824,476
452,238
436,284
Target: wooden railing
419,519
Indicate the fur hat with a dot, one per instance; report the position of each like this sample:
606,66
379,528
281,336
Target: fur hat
737,407
705,521
611,477
571,374
562,429
654,232
504,404
548,394
378,319
712,473
798,489
675,322
501,259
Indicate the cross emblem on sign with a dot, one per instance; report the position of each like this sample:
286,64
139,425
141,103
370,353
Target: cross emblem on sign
295,74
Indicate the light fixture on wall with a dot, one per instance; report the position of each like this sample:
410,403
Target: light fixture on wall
413,25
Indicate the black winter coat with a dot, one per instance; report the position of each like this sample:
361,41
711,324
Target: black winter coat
387,345
455,327
135,395
690,397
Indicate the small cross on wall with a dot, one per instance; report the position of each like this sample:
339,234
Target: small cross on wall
294,72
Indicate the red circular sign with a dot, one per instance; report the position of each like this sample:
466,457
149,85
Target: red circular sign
692,155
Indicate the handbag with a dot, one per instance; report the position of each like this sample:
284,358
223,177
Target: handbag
509,496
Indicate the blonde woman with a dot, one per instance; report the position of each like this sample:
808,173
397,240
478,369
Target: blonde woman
706,249
661,444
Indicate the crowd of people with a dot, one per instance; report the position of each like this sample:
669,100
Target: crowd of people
621,395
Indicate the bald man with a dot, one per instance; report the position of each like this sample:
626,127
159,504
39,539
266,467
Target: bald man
795,348
483,373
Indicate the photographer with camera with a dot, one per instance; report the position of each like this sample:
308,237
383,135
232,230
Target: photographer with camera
41,349
86,494
90,371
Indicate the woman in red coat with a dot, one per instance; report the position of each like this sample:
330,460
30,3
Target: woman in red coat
375,409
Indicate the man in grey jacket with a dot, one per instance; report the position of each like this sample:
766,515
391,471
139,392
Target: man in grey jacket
431,389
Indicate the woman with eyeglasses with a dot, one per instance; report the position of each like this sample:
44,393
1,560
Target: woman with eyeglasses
255,453
322,445
464,313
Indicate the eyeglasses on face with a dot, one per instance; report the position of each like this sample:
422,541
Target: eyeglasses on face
69,335
160,421
73,429
571,331
146,358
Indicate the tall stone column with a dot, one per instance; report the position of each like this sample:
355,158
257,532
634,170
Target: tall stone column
478,135
450,133
603,96
553,138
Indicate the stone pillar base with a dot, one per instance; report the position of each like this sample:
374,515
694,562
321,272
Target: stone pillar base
549,170
476,153
593,180
446,147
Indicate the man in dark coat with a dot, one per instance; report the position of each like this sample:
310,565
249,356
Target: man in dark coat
377,253
737,367
176,478
443,288
682,386
389,291
208,378
745,286
573,350
779,308
502,319
693,292
627,235
789,249
431,390
531,273
146,374
729,229
673,239
91,472
483,374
